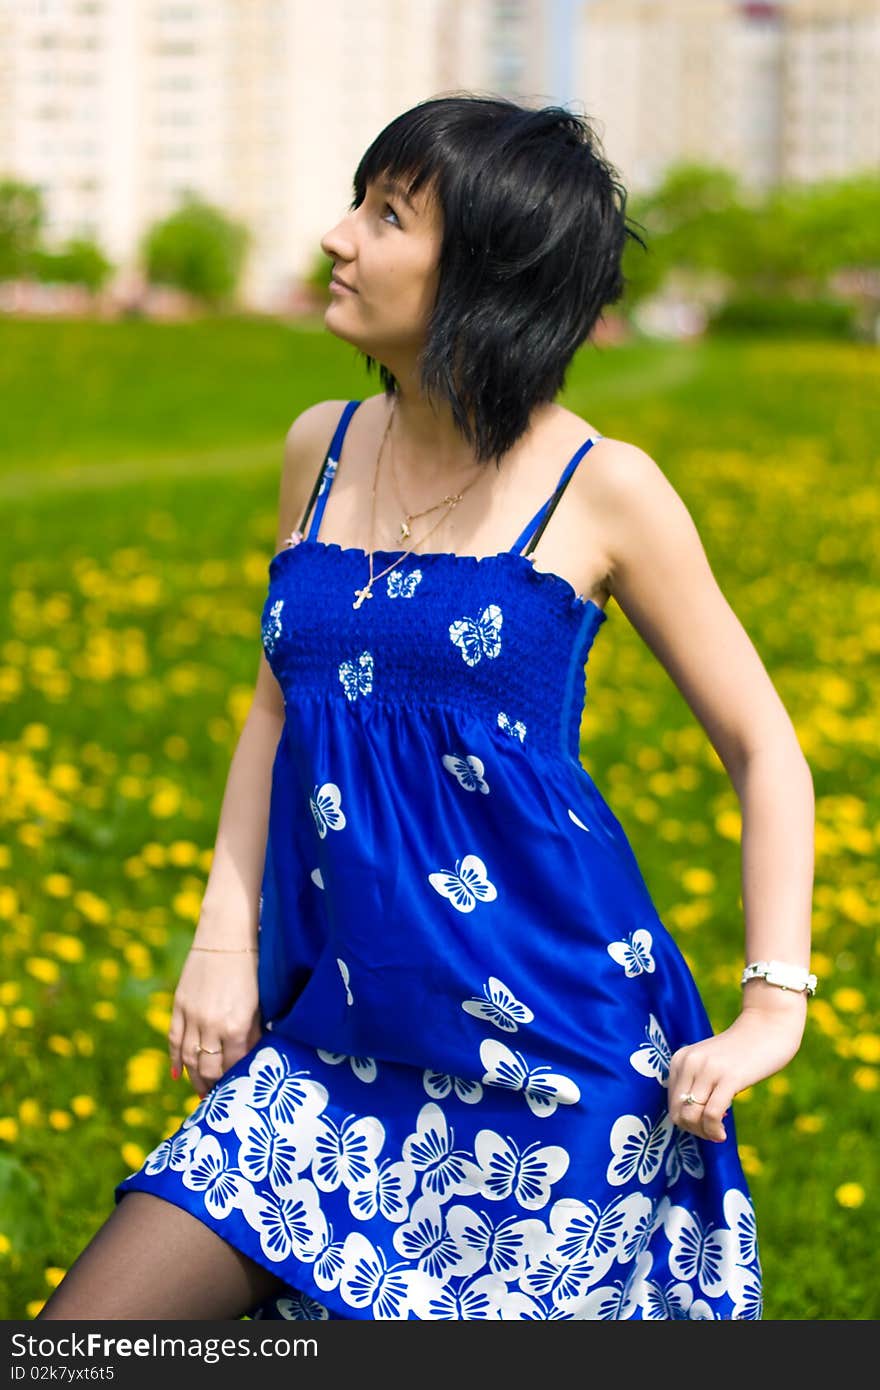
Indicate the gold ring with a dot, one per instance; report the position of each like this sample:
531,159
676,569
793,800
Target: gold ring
690,1099
211,1050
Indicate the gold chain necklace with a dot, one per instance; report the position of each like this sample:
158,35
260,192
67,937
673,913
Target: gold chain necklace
412,516
367,590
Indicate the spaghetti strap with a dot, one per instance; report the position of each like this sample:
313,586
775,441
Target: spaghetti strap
545,511
321,489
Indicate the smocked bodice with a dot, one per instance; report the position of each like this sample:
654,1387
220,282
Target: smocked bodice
491,636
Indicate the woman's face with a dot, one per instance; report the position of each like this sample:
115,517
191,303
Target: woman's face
388,251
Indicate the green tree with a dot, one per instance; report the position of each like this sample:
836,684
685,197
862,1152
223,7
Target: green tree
199,249
22,215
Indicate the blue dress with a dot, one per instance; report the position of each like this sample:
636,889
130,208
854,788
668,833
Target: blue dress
458,1105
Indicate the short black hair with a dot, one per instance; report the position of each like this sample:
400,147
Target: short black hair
534,232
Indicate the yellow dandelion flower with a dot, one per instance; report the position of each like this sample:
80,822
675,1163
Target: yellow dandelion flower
146,1070
9,904
809,1124
57,1043
34,1307
29,1112
134,1115
190,1103
729,825
183,853
108,970
93,908
43,969
848,1000
188,905
83,1106
745,1094
9,1129
5,1244
35,736
850,1194
172,1124
165,802
58,885
10,992
60,1119
824,1017
104,1010
84,1043
749,1158
22,1017
867,1047
54,1275
699,881
133,1155
866,1078
779,1085
65,947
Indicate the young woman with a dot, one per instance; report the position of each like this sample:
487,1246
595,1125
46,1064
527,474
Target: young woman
451,1062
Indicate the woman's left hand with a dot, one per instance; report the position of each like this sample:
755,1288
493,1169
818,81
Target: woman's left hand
760,1042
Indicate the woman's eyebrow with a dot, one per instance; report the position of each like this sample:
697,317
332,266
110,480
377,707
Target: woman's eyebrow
395,189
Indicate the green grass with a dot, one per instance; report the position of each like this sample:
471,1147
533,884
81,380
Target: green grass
138,482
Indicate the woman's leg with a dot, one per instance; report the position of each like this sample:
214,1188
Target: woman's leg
153,1260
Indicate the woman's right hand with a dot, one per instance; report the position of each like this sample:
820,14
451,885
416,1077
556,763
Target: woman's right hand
216,1006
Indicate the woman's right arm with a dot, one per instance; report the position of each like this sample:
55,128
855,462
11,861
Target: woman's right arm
216,1002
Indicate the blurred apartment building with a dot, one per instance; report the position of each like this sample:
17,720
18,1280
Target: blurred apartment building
115,108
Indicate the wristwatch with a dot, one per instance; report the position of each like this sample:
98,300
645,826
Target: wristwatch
776,972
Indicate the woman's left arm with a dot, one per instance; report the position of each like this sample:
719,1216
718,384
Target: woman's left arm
660,576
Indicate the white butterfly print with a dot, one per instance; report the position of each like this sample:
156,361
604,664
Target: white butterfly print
468,771
222,1106
652,1057
327,476
586,1235
402,585
745,1288
272,626
439,1084
542,1088
424,1240
464,888
344,972
281,1091
292,1224
387,1192
174,1152
431,1154
703,1252
265,1153
577,820
326,804
301,1307
528,1174
478,637
637,1148
368,1281
357,679
329,1261
684,1154
517,730
634,953
210,1171
740,1217
499,1006
564,1283
505,1248
364,1068
346,1153
479,1299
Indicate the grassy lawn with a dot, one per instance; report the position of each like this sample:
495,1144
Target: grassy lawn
138,483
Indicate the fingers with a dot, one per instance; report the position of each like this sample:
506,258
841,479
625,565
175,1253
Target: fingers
175,1041
700,1108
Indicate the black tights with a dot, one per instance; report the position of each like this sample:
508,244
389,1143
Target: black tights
153,1260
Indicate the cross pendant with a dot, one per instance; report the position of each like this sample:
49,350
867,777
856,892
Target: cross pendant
361,595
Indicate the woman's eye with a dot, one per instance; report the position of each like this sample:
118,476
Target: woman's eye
389,208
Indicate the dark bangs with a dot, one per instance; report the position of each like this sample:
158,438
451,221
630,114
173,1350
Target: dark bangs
534,229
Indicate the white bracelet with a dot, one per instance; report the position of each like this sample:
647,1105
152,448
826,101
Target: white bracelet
777,972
